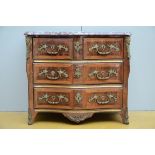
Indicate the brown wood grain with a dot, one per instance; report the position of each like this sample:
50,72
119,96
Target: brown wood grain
38,92
103,92
37,42
79,73
77,99
74,103
103,68
29,68
39,67
89,42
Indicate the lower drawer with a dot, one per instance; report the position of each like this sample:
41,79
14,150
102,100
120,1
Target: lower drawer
78,73
77,98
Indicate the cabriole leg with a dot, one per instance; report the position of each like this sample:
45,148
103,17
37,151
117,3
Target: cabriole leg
124,116
31,116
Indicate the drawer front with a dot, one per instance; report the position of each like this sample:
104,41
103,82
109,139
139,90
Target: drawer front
53,98
103,48
103,98
88,73
81,98
52,48
99,73
53,73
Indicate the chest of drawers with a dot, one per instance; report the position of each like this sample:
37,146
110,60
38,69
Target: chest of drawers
77,74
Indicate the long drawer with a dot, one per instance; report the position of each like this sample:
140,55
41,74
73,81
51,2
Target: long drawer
77,98
78,73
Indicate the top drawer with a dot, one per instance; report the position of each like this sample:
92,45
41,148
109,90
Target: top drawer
52,48
103,48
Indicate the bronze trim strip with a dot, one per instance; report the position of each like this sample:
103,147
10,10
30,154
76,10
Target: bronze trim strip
78,111
75,61
80,86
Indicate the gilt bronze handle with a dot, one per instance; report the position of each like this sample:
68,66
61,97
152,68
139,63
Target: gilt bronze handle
103,99
53,49
104,49
103,75
54,74
54,99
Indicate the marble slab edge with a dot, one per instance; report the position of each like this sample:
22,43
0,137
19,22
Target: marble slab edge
75,33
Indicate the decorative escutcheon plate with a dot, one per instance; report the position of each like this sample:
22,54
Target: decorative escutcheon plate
77,72
77,46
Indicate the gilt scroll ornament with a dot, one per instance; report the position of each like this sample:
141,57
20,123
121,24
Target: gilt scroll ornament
103,75
28,44
104,49
103,99
53,49
78,117
54,99
127,43
54,74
